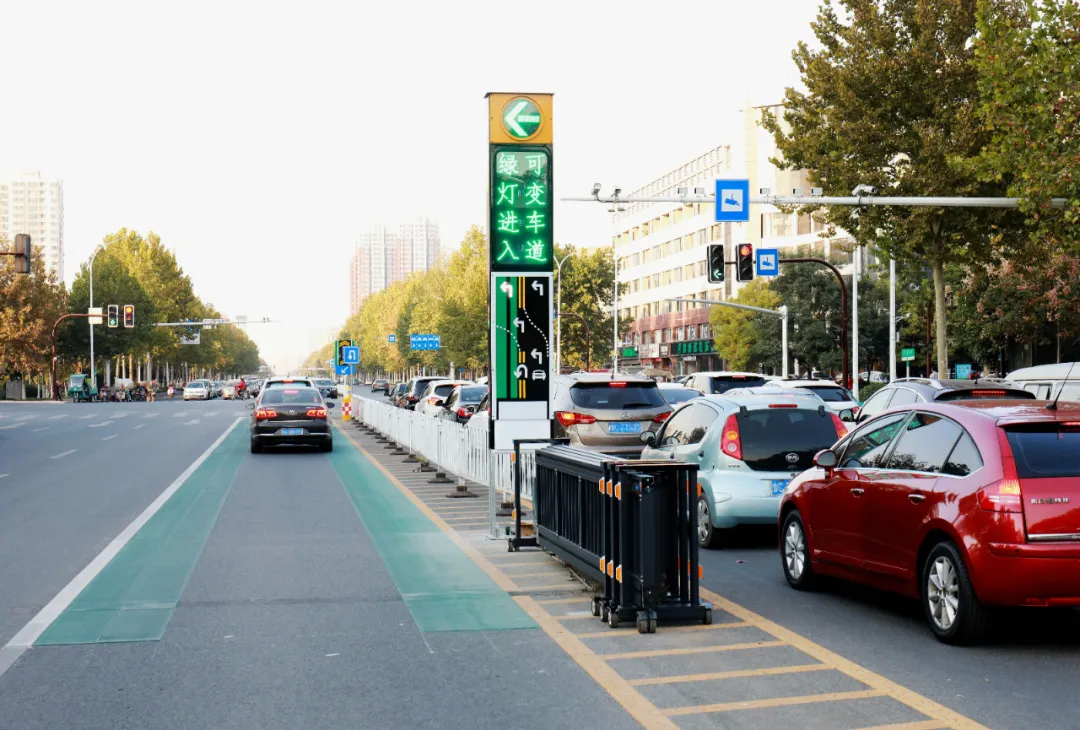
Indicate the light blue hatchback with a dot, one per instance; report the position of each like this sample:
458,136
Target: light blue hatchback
747,448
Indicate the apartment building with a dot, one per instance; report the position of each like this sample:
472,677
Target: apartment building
661,250
30,203
384,254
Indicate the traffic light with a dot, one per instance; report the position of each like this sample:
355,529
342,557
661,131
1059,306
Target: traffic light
114,315
342,344
129,315
744,263
22,253
716,263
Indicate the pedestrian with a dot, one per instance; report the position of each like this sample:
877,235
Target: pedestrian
86,389
151,392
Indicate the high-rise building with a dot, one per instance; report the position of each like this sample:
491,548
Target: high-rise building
383,256
32,204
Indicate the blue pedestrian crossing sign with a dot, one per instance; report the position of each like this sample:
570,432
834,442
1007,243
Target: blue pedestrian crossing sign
768,262
344,369
732,201
351,354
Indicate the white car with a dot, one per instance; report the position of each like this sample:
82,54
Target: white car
199,390
836,399
436,392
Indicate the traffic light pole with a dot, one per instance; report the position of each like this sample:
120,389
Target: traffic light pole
56,392
782,313
843,307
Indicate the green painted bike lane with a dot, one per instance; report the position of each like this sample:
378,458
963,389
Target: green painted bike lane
443,588
133,597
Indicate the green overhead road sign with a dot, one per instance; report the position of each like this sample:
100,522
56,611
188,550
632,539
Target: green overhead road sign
521,118
907,354
521,209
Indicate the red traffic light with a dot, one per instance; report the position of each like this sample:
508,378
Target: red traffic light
745,249
129,315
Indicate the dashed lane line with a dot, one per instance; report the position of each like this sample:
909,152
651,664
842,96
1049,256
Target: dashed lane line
11,426
138,427
58,417
88,416
150,415
64,453
4,475
99,425
24,418
109,438
43,428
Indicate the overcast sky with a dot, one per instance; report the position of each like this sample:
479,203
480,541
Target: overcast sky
258,138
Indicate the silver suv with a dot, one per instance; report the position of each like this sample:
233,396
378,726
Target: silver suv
604,413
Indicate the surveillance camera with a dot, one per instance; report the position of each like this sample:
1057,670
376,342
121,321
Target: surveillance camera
618,192
683,191
699,191
596,189
861,190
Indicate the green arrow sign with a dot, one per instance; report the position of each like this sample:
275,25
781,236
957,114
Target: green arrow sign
521,118
907,354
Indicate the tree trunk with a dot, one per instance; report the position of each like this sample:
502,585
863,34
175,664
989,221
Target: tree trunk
939,317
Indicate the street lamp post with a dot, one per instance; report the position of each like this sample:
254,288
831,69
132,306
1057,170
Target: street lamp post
558,316
93,369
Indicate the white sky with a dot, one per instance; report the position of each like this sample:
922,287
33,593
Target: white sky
266,135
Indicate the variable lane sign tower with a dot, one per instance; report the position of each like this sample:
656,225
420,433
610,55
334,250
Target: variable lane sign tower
521,243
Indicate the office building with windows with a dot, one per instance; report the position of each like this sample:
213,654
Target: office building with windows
30,203
385,254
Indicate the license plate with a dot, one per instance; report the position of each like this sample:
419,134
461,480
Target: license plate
779,485
291,432
633,427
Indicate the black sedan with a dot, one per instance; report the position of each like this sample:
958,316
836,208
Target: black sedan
291,416
327,387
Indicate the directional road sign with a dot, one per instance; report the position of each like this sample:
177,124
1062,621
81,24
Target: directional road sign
521,337
344,369
732,201
907,354
425,342
391,338
768,262
351,355
963,372
521,118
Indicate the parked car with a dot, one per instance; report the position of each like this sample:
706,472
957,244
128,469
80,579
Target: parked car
395,394
962,505
1047,381
604,414
836,399
713,383
675,394
435,394
293,415
925,390
380,384
789,392
198,390
481,417
219,387
415,388
462,403
748,448
228,390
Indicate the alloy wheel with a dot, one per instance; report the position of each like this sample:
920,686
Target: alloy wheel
794,550
943,592
704,521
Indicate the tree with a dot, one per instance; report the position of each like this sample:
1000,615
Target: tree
890,102
587,290
464,324
29,306
737,331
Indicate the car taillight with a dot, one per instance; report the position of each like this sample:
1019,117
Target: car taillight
841,427
462,412
569,418
617,384
316,413
413,399
1004,496
661,417
987,393
782,405
730,443
263,413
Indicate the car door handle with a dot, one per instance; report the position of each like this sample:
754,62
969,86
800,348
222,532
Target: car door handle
917,498
857,491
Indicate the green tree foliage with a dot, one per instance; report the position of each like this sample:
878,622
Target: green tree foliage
737,332
29,306
113,284
587,290
464,321
890,102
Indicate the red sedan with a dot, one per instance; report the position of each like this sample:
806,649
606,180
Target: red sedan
961,505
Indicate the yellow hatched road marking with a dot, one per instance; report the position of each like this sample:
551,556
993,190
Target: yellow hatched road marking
574,617
665,630
550,601
692,650
545,574
920,725
774,702
734,674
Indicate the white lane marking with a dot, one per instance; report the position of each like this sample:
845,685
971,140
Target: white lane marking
151,415
138,427
11,425
64,453
210,413
4,475
43,428
98,425
57,418
24,418
181,414
192,422
109,437
89,415
29,633
119,415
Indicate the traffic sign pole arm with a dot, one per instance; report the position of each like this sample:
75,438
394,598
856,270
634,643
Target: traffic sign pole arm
56,395
733,305
843,306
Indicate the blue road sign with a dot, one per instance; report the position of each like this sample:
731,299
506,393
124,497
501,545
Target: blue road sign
963,372
425,342
391,338
351,354
768,262
732,201
344,369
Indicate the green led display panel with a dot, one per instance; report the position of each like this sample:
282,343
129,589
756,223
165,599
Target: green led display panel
521,228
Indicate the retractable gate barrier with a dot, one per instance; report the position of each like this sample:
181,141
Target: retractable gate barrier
628,525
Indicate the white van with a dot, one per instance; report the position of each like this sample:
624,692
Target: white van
1046,381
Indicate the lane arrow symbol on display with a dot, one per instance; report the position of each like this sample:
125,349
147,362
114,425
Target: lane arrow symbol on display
511,118
537,355
521,371
508,288
537,286
519,323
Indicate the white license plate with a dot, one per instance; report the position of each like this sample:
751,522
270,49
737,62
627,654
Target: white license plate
633,427
778,485
292,432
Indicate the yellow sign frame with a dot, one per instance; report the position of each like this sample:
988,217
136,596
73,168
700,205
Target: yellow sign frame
497,103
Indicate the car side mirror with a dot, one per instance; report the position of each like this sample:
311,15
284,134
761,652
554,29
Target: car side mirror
330,404
648,438
251,406
847,415
826,460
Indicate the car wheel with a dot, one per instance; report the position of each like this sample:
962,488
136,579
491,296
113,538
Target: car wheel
795,553
326,447
954,612
706,533
256,447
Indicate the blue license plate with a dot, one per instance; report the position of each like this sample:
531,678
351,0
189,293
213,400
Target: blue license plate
291,432
633,427
779,485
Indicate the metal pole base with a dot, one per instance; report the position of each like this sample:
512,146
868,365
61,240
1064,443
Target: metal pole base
425,468
440,478
462,492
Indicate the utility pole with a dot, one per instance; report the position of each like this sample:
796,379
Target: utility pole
855,325
892,320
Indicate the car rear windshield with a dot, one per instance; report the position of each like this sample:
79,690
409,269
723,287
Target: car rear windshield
324,382
1045,450
784,439
829,393
419,386
444,390
616,395
285,396
679,395
285,384
985,394
724,383
472,395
